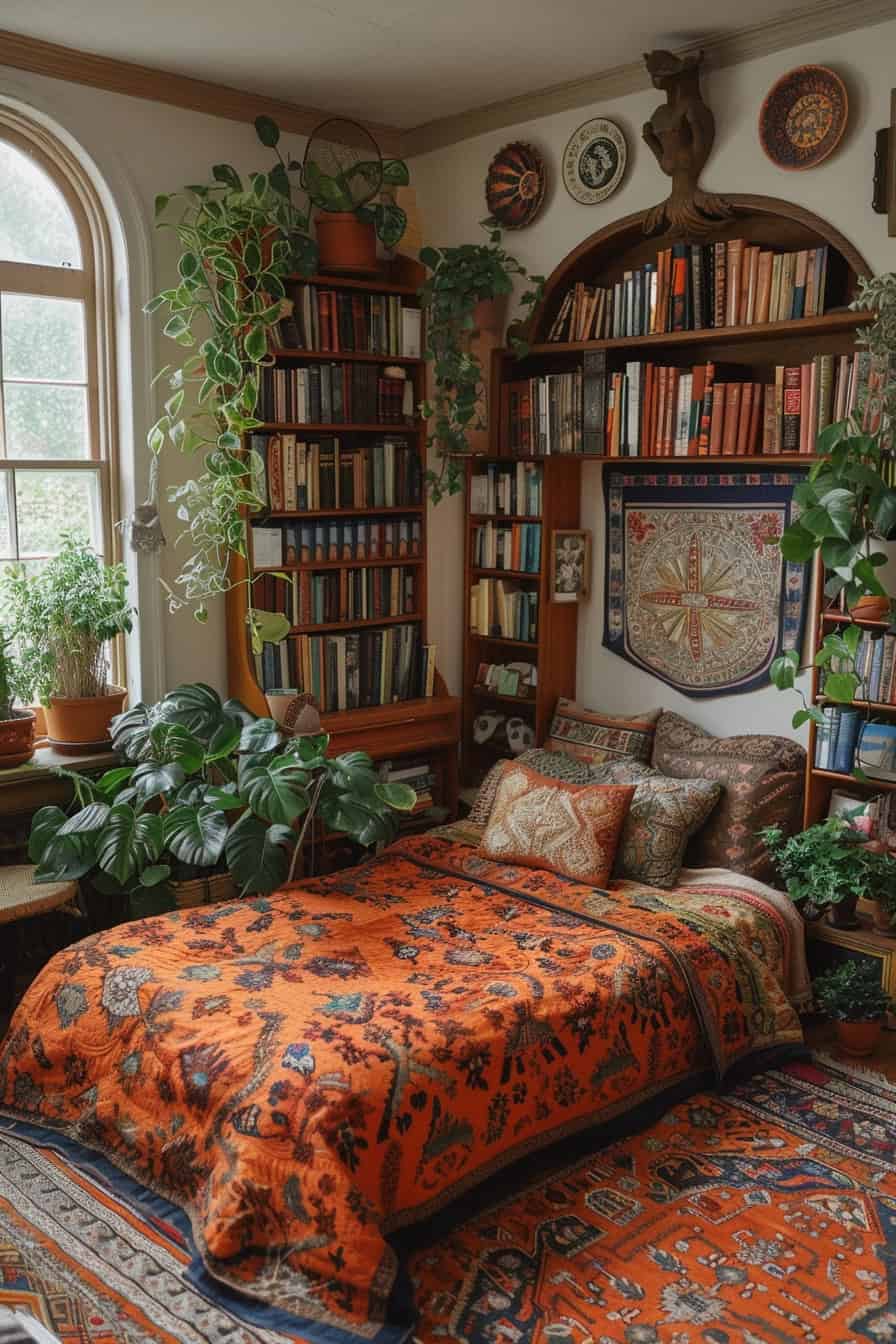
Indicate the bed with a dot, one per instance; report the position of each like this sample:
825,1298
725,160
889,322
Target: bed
307,1073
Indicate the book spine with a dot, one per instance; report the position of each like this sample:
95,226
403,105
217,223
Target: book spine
732,419
790,426
717,427
744,420
719,285
733,289
706,411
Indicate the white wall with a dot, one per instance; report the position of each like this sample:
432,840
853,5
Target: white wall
449,186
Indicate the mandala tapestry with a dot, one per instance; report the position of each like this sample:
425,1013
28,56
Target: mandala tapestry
697,592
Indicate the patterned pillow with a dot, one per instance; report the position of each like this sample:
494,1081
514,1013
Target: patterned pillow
595,737
570,829
554,764
762,779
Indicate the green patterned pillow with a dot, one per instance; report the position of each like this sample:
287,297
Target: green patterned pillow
663,816
554,764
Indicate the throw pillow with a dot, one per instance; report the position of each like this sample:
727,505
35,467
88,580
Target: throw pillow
570,829
762,778
595,737
554,764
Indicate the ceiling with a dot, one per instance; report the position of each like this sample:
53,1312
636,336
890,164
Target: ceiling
398,62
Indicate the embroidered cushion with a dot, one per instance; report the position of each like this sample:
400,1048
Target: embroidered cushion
595,737
663,816
762,778
554,764
571,829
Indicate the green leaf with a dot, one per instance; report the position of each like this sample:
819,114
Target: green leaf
45,825
260,736
390,221
783,670
279,180
129,841
271,626
172,742
398,796
152,778
395,173
196,835
160,205
267,131
256,344
430,257
90,818
797,545
222,172
252,257
258,855
841,686
885,515
154,875
111,781
225,800
224,740
277,791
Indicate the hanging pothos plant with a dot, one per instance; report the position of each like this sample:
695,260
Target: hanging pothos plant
848,506
240,241
462,277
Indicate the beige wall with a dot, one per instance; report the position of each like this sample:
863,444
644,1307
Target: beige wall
449,184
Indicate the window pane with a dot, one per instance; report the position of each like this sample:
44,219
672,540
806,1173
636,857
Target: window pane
7,549
36,224
49,503
42,338
45,420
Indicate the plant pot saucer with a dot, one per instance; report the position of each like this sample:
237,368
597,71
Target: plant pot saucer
79,748
15,758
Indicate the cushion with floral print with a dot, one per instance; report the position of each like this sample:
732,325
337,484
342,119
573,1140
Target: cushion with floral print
554,764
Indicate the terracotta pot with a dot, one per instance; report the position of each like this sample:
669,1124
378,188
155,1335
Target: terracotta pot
871,609
858,1038
83,721
16,738
347,244
883,919
843,914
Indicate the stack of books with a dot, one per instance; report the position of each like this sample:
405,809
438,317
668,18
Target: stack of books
517,546
503,610
699,285
875,663
345,595
297,476
304,543
519,680
513,490
336,394
351,671
837,738
418,774
330,319
543,415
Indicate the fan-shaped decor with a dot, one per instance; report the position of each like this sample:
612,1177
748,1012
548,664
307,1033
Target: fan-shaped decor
803,117
515,186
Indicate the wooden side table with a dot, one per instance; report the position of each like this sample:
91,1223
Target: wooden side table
827,947
21,899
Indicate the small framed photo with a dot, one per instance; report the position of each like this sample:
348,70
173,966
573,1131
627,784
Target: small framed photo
570,564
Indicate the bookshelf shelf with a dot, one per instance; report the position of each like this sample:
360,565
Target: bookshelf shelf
505,517
803,328
755,459
295,427
388,510
500,639
844,618
484,693
876,785
307,565
342,356
873,706
372,286
356,625
534,575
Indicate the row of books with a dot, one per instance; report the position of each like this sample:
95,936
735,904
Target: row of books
515,490
503,610
335,394
364,539
418,774
544,415
693,286
519,679
331,319
298,476
351,671
516,546
837,739
876,668
343,595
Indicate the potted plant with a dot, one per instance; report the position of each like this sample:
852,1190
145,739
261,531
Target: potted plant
465,299
65,613
848,506
851,995
828,867
16,725
207,804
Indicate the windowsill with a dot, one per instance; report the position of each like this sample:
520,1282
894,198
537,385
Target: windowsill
46,759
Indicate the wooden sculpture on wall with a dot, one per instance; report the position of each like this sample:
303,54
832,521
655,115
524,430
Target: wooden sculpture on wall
680,133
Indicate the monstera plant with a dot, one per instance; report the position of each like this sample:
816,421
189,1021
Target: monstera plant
207,787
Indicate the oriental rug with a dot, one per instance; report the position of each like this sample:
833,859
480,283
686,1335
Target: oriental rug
766,1215
697,593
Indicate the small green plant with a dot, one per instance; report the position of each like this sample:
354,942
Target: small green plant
828,864
207,787
64,615
851,992
462,277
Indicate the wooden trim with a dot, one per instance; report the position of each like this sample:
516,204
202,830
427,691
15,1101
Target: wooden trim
162,86
891,168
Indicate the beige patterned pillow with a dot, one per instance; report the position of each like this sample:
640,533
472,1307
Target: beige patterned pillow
554,764
569,829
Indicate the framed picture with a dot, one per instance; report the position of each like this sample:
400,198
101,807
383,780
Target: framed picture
877,750
570,564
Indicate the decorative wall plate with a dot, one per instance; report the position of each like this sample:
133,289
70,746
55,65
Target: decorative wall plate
594,161
515,185
803,117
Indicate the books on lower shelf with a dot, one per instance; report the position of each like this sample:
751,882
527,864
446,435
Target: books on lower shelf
689,287
356,670
345,595
875,665
363,539
338,320
511,546
295,475
504,609
334,394
543,415
508,490
837,738
417,773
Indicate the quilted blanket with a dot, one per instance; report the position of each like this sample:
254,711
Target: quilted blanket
307,1072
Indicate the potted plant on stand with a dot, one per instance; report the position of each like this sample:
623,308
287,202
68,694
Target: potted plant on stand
851,995
16,725
65,614
828,867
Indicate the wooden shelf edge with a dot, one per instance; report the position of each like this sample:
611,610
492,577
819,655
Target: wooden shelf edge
309,565
342,356
868,783
293,426
311,514
331,626
373,285
505,573
770,459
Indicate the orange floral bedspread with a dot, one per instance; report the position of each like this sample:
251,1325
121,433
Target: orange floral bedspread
307,1072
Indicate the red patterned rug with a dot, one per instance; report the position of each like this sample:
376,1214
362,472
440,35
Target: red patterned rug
765,1216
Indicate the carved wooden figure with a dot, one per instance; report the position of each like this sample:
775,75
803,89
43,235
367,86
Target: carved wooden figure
680,133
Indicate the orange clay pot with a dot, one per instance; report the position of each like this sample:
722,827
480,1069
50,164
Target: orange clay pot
347,244
16,739
858,1038
871,609
83,721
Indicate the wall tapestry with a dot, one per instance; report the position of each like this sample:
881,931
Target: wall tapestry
697,593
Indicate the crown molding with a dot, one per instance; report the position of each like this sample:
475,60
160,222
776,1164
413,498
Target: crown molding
827,18
162,86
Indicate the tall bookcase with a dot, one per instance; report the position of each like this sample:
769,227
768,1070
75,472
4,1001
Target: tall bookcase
399,728
605,259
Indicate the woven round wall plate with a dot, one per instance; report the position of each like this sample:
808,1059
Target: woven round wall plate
803,117
515,185
594,161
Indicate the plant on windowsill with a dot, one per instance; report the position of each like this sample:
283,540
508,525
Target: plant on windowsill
461,297
852,996
848,506
206,805
16,725
829,867
65,613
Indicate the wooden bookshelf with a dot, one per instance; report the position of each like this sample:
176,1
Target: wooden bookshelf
409,728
